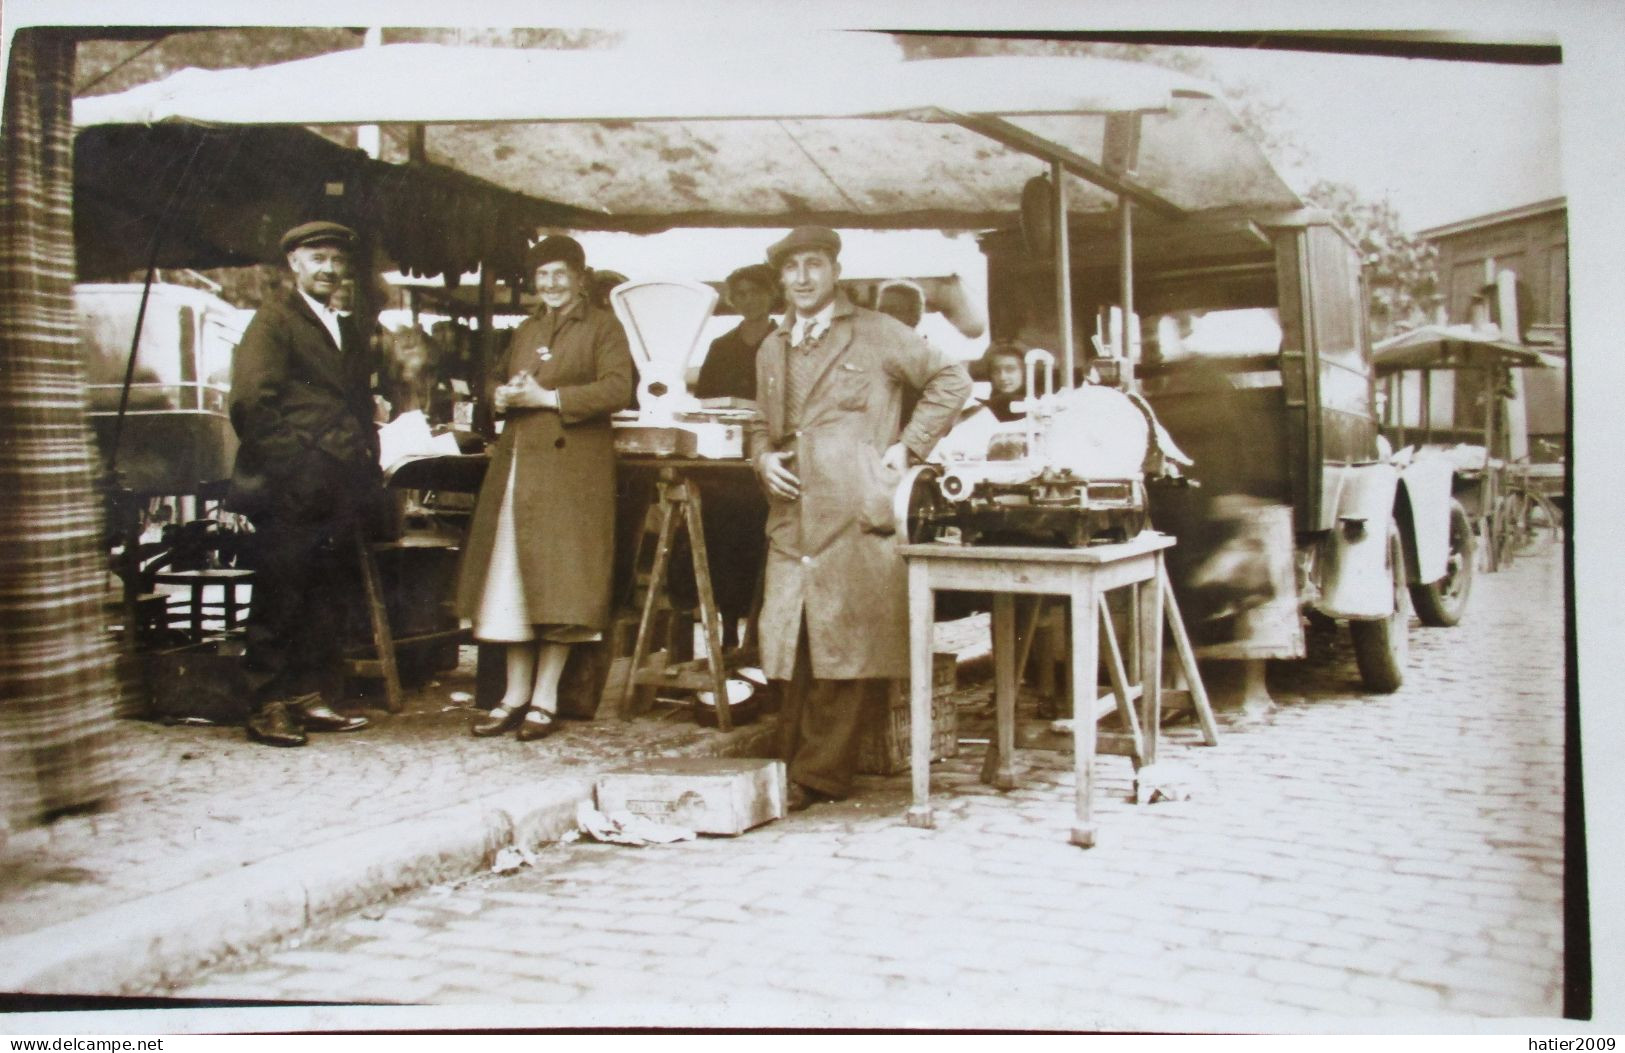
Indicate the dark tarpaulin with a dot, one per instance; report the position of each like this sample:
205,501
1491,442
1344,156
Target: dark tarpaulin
57,685
222,197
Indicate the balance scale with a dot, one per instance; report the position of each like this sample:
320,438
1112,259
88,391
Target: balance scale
664,321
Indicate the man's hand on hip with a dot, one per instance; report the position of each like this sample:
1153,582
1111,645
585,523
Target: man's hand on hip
777,478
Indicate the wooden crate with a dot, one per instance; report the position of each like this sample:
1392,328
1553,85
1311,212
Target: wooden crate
709,795
883,739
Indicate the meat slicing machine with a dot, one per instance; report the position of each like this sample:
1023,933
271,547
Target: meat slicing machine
1071,472
664,321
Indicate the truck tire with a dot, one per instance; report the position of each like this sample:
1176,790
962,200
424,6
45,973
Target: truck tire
1382,645
1443,602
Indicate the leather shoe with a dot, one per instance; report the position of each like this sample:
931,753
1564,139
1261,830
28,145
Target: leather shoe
501,721
802,797
531,729
317,715
274,725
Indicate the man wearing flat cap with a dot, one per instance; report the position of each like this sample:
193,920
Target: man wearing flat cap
306,474
830,447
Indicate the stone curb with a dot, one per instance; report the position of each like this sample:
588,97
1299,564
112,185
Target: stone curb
135,945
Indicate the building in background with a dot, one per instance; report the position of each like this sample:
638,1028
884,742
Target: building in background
1532,242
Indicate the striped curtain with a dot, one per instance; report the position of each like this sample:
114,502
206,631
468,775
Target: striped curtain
57,685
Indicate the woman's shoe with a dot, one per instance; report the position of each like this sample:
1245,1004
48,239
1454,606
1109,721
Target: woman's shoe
500,721
531,729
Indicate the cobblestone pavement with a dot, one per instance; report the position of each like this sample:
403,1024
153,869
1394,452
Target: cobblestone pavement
1345,857
199,801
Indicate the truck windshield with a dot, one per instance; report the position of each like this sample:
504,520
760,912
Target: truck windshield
106,326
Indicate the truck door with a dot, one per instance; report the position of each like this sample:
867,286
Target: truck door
1326,369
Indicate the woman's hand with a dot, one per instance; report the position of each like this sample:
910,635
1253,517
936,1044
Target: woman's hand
524,393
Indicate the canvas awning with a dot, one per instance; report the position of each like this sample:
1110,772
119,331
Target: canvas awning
831,128
1456,347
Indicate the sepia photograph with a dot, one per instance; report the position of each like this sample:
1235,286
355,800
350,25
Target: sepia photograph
563,517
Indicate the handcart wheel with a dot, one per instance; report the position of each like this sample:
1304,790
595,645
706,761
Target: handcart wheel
918,507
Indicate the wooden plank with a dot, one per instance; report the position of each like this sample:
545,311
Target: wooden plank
1017,138
1187,663
378,615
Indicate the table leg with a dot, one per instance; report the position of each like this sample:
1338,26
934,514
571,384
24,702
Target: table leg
1085,662
1004,690
1149,625
920,615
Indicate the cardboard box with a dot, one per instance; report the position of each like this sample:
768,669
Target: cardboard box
883,738
709,795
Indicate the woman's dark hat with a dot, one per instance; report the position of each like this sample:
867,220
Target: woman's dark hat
557,248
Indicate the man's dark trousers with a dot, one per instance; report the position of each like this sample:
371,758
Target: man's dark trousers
306,578
820,723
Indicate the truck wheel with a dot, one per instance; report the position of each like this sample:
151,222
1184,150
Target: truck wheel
1443,602
1381,646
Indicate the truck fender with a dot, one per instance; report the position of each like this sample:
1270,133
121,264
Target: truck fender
1423,508
1353,581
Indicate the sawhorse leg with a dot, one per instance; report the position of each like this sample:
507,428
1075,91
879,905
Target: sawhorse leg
1187,661
657,580
383,639
1122,681
708,606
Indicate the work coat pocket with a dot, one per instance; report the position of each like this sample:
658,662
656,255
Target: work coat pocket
879,489
852,387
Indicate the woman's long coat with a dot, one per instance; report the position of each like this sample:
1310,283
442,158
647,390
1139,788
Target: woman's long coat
564,491
831,553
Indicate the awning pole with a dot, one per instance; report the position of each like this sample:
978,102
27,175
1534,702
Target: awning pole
1125,344
1063,275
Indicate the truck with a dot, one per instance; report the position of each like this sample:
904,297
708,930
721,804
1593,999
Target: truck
175,434
1248,338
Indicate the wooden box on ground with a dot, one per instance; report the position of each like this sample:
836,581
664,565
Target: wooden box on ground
709,795
201,681
883,739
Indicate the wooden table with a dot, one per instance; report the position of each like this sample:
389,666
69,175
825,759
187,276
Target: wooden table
1084,576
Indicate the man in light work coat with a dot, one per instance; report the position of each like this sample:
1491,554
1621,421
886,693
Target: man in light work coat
830,447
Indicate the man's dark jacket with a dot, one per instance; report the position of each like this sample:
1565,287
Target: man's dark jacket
303,413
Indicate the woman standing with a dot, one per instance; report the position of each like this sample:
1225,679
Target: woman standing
536,575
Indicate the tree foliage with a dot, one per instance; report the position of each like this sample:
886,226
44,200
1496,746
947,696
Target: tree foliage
1402,271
